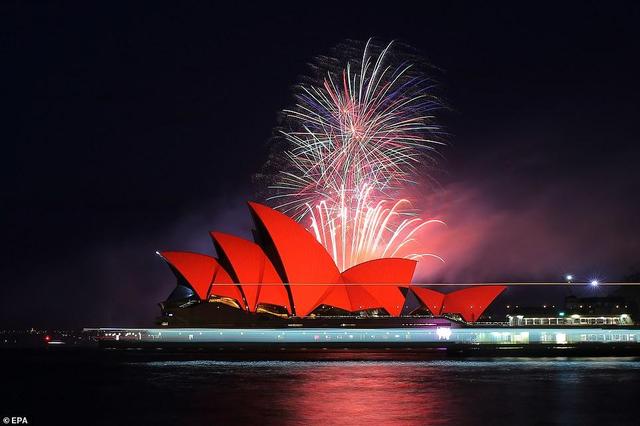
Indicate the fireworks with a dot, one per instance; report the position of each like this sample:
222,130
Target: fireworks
369,231
356,137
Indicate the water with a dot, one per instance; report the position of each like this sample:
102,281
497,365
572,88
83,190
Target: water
75,389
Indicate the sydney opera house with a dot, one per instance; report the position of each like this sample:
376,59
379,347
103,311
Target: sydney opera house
283,292
287,276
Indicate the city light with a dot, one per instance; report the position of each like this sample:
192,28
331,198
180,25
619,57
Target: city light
443,333
569,278
594,283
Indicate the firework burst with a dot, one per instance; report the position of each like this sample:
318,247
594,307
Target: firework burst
371,230
357,136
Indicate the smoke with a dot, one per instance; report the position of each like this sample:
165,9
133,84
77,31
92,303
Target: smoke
499,229
493,236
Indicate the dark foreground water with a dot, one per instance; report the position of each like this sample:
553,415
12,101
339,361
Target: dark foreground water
74,388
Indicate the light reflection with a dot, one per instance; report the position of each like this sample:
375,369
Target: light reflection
386,393
377,391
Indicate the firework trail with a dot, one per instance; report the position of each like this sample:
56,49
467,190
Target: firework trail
370,231
356,137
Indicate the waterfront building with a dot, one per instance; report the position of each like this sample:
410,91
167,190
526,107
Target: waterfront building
285,273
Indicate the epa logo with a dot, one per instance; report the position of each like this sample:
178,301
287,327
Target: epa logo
15,421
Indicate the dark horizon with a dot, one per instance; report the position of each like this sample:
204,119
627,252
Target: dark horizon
141,131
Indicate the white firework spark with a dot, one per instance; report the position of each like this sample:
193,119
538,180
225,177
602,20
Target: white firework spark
354,139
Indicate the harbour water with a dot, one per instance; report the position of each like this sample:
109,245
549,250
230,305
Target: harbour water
76,388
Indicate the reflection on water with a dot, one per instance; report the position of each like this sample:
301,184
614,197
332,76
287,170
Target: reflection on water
326,393
433,392
487,391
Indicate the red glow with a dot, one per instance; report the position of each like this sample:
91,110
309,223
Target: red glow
200,272
351,298
251,267
383,271
304,259
196,269
310,273
220,287
471,302
430,298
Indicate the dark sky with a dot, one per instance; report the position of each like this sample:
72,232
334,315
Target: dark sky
140,128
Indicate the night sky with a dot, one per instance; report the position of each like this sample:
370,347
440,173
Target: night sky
140,128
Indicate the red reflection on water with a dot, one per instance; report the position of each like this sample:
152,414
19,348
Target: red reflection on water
361,392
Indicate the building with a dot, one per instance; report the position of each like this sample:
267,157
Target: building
285,274
577,311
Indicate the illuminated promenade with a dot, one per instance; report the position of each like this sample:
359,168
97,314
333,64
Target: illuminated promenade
318,337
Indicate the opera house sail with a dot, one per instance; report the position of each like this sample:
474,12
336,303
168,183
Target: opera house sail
287,276
284,292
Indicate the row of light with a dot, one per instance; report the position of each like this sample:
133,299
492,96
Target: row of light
594,283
